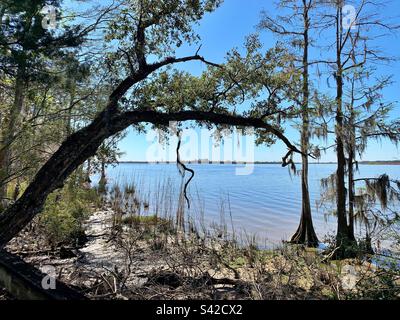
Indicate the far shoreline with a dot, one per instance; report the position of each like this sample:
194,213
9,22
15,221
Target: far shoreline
377,163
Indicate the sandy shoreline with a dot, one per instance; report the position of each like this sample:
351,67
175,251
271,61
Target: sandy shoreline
135,263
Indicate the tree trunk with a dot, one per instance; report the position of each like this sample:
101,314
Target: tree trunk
305,233
3,176
17,190
103,179
9,127
341,165
343,242
88,172
51,176
351,162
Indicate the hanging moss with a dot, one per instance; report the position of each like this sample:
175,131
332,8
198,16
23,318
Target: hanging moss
381,190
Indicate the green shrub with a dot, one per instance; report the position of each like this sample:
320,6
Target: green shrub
63,216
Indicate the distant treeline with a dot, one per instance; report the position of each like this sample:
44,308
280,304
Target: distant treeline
378,162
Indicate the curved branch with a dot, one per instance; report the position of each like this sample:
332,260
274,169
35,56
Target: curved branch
182,165
83,144
160,118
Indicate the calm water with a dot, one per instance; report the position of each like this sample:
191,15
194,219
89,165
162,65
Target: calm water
266,203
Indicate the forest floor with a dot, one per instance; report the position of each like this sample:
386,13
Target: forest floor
146,258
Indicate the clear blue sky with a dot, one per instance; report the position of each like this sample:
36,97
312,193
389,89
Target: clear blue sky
226,28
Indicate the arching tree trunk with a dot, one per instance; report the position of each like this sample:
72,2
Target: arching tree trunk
83,144
52,175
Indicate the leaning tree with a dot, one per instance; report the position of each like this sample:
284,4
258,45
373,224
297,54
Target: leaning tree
142,35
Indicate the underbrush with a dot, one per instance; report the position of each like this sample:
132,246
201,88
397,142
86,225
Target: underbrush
64,214
149,255
168,263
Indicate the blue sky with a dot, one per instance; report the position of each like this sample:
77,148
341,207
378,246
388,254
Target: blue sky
227,28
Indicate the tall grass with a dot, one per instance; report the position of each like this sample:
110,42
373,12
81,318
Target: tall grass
137,196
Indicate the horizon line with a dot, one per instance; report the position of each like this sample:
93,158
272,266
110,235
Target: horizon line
392,162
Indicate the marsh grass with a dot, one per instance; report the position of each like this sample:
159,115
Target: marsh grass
205,266
187,258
